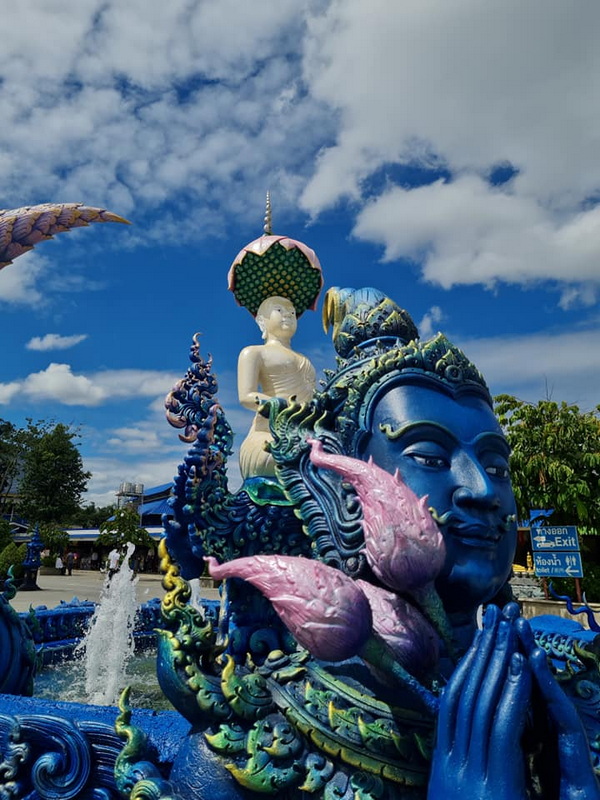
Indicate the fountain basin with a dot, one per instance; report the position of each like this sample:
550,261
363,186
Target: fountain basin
81,743
57,631
65,680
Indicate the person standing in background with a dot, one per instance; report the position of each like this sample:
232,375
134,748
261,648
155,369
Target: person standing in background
114,557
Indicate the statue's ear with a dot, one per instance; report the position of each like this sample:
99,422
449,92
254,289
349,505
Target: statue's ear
260,321
361,442
330,511
328,507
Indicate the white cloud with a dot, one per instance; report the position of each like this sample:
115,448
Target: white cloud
582,296
465,86
155,45
109,472
34,278
430,318
565,366
18,281
468,232
145,104
58,383
198,111
135,382
8,391
475,84
54,341
136,440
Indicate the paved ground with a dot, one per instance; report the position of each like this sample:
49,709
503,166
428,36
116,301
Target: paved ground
86,585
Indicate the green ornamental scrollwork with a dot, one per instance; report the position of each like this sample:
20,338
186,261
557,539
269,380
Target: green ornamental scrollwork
286,722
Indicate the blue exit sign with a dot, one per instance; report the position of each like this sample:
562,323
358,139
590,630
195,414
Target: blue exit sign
554,537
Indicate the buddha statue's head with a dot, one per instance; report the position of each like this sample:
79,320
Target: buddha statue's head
424,409
276,316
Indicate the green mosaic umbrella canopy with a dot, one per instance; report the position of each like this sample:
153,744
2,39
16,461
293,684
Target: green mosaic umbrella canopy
276,266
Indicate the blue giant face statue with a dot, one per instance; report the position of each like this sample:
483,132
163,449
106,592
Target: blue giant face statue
452,449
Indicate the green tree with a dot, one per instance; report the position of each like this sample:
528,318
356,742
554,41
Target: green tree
13,556
555,460
5,534
122,528
53,477
54,538
8,457
14,444
91,516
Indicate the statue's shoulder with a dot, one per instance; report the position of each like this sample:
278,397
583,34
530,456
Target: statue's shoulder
252,353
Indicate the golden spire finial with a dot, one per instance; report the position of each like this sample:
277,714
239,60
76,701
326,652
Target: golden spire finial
267,225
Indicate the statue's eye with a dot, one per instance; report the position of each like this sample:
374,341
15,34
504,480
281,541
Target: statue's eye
498,471
428,454
432,462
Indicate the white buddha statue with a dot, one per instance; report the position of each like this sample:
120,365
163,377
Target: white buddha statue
277,279
268,370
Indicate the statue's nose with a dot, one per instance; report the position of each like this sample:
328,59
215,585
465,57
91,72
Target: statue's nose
473,484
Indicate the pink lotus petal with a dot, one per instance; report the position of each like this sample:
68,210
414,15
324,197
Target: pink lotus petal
323,608
403,544
405,630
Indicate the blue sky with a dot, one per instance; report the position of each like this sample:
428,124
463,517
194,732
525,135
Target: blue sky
446,153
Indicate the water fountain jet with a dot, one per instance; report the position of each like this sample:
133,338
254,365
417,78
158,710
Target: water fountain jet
108,645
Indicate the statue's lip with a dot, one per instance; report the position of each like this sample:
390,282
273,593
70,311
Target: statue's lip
476,534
